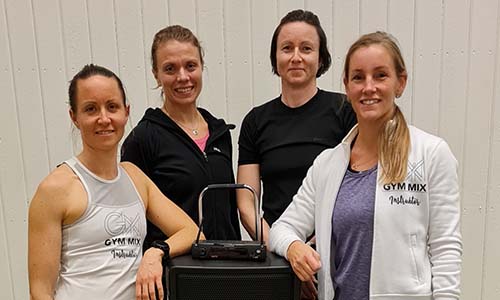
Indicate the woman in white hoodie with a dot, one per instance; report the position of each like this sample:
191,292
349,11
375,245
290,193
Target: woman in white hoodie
384,203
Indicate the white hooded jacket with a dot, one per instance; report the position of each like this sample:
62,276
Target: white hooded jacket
417,244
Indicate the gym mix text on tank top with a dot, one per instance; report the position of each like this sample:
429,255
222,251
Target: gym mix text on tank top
102,250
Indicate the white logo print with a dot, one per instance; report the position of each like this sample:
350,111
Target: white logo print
117,223
416,171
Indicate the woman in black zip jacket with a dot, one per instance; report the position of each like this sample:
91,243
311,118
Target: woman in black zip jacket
181,147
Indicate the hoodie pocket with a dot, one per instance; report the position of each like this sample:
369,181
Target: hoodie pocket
413,251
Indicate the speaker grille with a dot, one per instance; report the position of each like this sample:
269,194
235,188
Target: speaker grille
234,287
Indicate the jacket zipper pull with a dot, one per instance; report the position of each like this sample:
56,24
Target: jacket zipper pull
205,156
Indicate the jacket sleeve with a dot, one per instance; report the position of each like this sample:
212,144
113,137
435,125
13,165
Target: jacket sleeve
298,220
445,241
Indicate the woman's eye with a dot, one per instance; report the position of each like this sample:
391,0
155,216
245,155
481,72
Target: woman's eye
168,69
113,107
89,109
191,67
307,49
286,48
380,75
356,78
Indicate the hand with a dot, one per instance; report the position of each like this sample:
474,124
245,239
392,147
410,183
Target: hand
308,290
148,279
305,260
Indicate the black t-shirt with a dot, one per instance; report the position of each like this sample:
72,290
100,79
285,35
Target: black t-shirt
284,141
167,155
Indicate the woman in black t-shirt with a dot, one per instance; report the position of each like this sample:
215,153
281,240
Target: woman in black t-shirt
279,140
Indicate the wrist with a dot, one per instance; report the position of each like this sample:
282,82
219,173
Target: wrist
162,248
292,247
154,254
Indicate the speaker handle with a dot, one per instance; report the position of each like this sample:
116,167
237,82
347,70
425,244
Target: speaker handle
219,186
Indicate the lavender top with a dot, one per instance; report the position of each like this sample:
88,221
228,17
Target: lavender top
352,235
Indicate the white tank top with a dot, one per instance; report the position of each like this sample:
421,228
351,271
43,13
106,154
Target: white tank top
102,250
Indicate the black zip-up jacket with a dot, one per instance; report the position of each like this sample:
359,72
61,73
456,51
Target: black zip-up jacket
174,162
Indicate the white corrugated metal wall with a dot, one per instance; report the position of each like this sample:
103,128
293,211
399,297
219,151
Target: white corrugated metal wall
451,48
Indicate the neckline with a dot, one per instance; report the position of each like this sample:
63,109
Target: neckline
203,137
352,167
191,131
96,177
362,173
300,108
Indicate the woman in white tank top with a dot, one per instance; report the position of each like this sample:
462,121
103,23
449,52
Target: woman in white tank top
87,219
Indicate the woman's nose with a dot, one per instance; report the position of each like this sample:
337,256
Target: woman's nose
183,75
296,55
369,85
104,117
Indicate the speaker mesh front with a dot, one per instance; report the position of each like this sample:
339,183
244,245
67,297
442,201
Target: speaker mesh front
234,287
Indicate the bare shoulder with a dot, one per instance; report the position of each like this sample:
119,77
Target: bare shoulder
130,167
54,191
135,173
58,182
141,182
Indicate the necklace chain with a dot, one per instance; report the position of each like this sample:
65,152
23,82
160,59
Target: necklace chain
356,165
194,130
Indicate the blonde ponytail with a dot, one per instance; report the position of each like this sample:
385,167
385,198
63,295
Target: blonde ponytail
393,148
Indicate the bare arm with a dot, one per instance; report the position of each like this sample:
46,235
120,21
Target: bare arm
250,175
180,229
173,221
44,241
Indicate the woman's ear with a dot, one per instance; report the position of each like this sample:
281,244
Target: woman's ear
402,79
155,74
345,83
73,118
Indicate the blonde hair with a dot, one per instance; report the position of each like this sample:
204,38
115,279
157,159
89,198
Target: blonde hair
394,137
394,148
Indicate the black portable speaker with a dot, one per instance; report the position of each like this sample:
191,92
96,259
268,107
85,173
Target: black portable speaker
195,279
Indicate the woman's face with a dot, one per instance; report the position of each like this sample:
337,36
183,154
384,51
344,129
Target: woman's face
372,83
100,113
179,72
297,54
